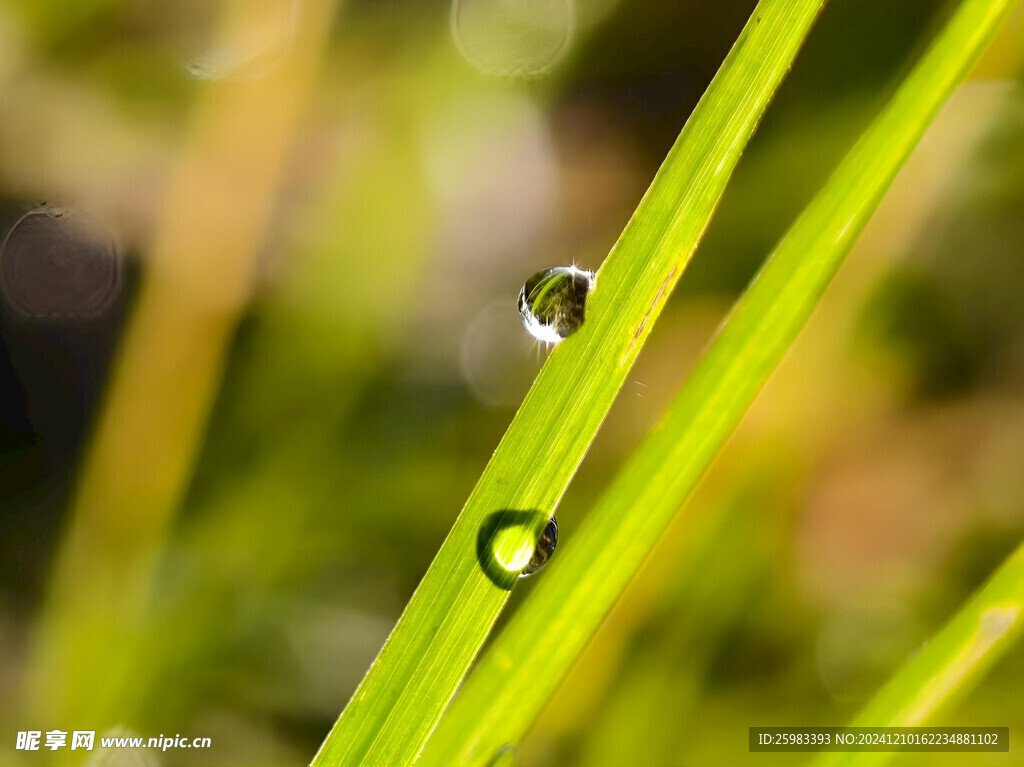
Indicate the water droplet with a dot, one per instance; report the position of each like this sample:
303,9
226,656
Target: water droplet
60,263
508,547
544,549
513,37
552,301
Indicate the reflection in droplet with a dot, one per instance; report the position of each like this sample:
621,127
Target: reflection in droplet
252,47
59,263
552,302
512,37
507,546
544,549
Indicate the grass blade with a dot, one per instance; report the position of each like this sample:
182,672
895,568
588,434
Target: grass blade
448,618
950,664
515,678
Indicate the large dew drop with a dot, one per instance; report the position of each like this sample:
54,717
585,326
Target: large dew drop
551,303
512,37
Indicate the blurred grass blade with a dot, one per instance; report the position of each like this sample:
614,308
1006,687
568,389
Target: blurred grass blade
197,281
948,665
513,681
448,618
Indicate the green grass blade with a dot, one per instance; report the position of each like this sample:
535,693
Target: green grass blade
448,618
950,664
514,679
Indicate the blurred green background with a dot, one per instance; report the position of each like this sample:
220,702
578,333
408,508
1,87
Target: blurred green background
369,357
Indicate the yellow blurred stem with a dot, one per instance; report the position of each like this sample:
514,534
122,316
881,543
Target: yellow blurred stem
198,280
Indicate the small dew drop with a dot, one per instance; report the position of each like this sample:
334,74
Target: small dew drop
507,547
545,548
552,302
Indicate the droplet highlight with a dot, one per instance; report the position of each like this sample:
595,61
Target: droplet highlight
552,302
513,37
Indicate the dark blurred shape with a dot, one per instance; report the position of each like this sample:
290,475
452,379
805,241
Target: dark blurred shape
59,263
914,318
65,289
